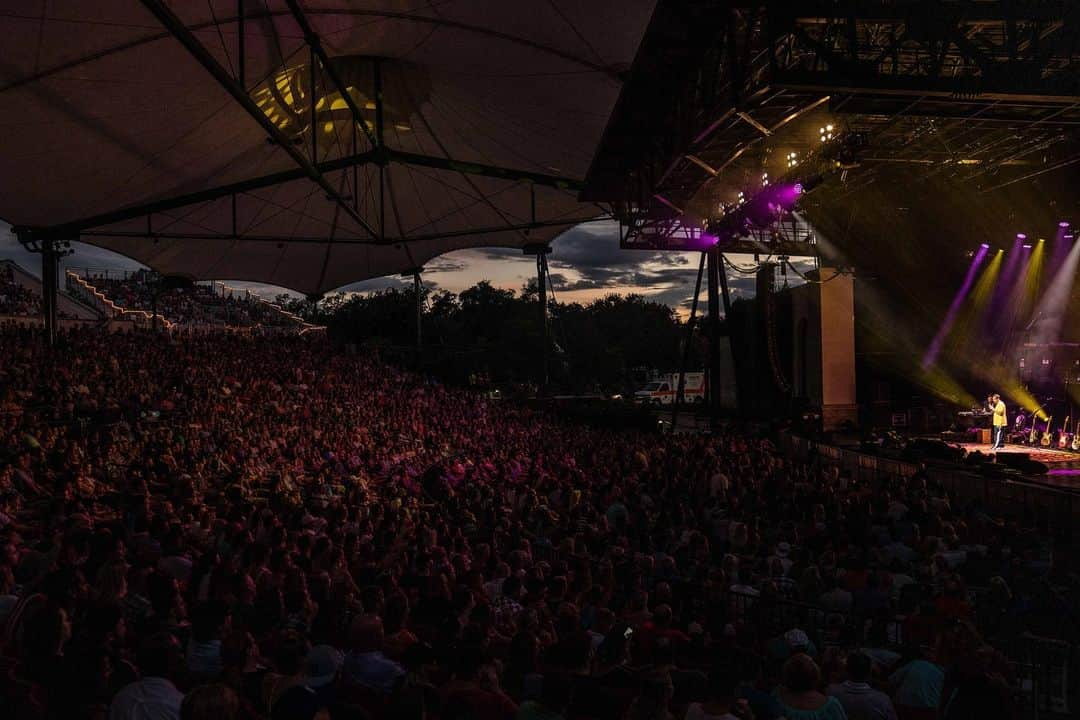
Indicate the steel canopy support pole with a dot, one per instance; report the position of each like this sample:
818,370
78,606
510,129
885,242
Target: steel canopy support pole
680,392
541,284
50,261
241,49
727,317
417,289
715,367
331,72
185,37
382,160
313,78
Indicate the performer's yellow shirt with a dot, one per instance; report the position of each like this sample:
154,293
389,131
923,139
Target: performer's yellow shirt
999,415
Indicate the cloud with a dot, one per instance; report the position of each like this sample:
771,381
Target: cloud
444,265
375,284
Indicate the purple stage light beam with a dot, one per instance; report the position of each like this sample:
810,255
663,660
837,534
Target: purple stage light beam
1049,318
1063,242
997,318
950,318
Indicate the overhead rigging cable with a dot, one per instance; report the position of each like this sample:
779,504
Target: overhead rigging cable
811,280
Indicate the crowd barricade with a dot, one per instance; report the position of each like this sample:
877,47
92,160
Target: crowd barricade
1056,510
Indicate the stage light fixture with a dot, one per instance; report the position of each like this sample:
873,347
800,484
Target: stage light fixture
1021,236
764,179
985,245
792,159
1063,224
1027,246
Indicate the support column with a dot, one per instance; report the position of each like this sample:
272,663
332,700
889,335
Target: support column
541,284
50,263
715,366
838,401
680,393
730,330
417,290
541,251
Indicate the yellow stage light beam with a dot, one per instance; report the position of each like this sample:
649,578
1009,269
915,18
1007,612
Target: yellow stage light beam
944,387
966,332
1033,277
1010,387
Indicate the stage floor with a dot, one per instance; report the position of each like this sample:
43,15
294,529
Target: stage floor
1064,464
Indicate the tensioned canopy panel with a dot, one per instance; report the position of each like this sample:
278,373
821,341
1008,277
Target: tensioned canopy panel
104,110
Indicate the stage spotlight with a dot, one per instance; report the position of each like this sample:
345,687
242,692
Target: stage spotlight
1021,236
764,179
985,245
1063,224
1027,246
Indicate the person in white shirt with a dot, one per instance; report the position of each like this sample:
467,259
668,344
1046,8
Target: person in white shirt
154,697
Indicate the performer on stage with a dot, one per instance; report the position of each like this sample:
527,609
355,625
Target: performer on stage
997,406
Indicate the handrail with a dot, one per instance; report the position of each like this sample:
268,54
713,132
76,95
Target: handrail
117,310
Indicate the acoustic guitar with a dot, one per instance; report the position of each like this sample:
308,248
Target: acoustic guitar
1047,436
1076,438
1064,436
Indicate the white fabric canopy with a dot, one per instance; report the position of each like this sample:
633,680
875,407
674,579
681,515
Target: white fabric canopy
104,110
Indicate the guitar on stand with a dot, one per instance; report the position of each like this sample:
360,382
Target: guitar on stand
1075,445
1047,436
1031,437
1065,437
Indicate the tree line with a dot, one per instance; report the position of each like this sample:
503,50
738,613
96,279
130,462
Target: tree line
488,334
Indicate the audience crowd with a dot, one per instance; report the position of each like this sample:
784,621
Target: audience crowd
216,526
16,299
200,304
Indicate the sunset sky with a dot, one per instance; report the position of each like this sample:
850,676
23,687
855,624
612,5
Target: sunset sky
586,263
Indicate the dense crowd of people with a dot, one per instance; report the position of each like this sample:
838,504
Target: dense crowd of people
15,298
227,526
200,304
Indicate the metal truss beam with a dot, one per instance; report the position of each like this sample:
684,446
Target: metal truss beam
285,239
185,37
471,168
787,248
73,227
1060,90
886,12
155,206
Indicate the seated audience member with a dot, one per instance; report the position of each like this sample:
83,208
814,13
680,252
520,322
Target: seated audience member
798,692
721,702
210,702
860,701
365,664
154,696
